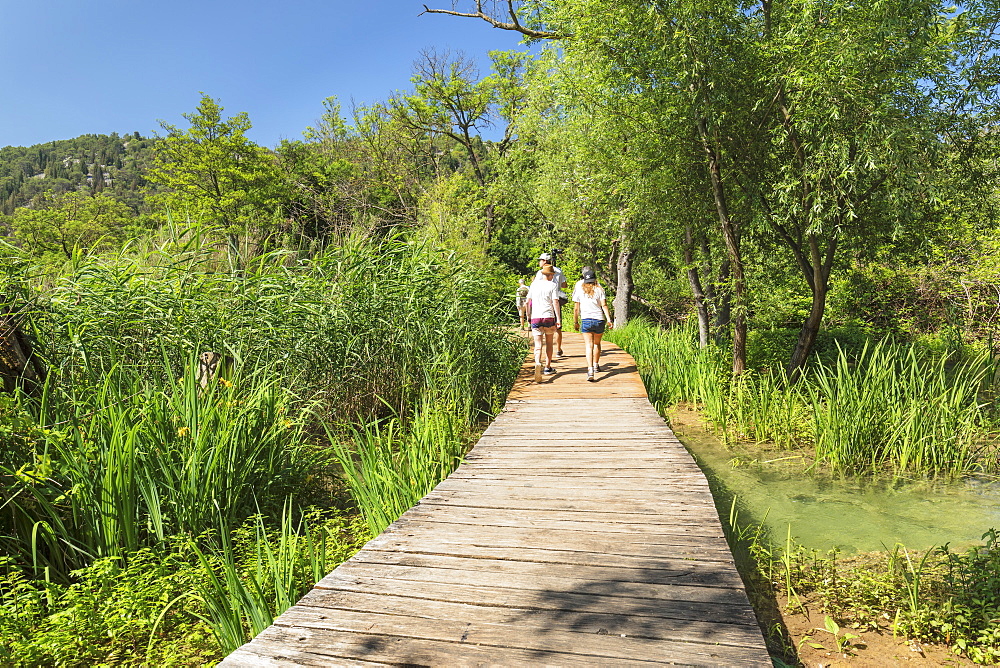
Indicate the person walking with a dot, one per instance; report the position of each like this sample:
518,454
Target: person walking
522,301
560,281
543,304
591,317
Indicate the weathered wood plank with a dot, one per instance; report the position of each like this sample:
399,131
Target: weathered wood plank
699,567
327,600
599,522
499,579
600,547
656,573
596,598
540,639
321,647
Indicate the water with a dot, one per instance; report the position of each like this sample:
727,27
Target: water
851,514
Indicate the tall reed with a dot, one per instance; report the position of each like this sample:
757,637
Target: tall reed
123,462
389,466
893,407
887,407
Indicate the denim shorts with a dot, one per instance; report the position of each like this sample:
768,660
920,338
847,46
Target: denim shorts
592,326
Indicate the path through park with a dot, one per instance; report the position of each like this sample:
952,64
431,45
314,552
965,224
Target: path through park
578,531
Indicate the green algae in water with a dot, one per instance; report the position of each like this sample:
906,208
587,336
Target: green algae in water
852,514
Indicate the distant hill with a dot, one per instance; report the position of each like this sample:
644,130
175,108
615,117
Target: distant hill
92,162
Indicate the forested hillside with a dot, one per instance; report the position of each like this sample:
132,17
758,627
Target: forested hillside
94,163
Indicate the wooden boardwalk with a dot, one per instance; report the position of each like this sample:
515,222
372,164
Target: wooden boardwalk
578,531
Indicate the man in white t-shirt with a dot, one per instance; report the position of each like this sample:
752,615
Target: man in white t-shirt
546,316
561,284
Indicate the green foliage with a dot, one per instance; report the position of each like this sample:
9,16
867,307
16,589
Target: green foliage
120,462
389,467
116,611
124,452
254,576
58,225
157,606
941,596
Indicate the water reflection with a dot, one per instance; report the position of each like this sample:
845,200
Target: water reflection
849,513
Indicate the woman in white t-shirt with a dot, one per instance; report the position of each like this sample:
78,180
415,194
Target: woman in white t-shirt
591,316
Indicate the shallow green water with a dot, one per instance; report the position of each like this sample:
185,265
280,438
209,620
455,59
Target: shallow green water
854,515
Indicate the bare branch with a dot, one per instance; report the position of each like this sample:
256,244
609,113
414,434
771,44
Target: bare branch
514,24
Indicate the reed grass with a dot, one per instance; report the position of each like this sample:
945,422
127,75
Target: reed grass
284,564
123,462
389,466
125,448
885,407
399,346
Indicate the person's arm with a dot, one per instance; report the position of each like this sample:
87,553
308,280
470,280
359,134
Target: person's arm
576,316
607,315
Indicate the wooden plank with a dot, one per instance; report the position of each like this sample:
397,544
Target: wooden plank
595,600
540,639
659,573
499,579
650,506
322,647
601,546
329,600
506,519
701,568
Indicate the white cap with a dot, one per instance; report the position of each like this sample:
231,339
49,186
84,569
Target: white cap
544,256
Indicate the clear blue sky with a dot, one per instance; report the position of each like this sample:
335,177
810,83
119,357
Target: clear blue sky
74,67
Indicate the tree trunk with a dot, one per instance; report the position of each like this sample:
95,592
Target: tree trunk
808,333
700,301
18,366
612,264
817,273
723,301
623,295
730,234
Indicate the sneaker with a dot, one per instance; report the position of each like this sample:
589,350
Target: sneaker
547,370
538,373
597,368
590,375
561,354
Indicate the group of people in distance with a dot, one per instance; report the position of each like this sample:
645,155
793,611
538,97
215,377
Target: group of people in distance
542,303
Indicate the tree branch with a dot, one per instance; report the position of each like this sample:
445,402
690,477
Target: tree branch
514,24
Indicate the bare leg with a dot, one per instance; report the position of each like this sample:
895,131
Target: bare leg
597,348
588,346
548,346
537,336
559,339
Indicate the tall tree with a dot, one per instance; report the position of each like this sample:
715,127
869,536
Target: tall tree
215,174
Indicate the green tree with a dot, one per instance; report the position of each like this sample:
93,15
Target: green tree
213,173
57,224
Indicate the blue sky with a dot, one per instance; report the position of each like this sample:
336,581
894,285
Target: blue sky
109,65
